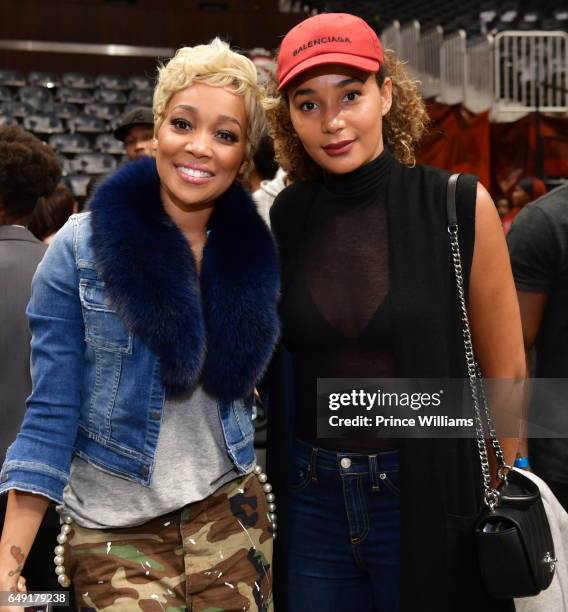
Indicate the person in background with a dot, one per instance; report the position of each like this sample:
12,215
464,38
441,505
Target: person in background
270,178
29,170
503,206
265,195
538,246
51,213
265,165
136,130
527,190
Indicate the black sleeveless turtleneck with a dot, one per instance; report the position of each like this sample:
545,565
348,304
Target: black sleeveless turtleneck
335,311
427,342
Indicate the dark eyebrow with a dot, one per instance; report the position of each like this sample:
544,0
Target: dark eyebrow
303,92
221,118
339,85
350,81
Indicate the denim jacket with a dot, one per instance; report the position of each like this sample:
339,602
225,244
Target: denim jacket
100,371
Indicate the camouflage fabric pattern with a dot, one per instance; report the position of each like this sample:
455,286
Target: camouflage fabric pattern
212,556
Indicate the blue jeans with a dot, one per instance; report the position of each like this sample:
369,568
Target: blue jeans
344,531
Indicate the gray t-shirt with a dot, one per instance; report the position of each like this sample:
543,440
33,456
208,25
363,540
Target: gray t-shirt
191,463
538,245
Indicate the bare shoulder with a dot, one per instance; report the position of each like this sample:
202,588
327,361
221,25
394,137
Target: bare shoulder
493,305
486,216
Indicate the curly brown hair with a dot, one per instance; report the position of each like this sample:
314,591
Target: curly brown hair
29,169
51,212
403,126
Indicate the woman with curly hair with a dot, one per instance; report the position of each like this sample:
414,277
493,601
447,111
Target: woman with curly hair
152,318
374,523
29,170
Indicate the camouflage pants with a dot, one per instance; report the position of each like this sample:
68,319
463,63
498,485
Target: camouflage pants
211,556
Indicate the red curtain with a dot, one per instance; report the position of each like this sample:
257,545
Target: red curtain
555,132
513,146
499,153
458,140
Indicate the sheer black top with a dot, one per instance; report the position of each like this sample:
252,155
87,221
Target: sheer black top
335,311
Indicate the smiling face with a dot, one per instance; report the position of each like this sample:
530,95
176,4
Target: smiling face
337,112
200,145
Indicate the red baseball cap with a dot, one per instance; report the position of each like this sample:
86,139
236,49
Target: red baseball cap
329,38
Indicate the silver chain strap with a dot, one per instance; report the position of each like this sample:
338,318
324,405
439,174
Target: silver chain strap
482,422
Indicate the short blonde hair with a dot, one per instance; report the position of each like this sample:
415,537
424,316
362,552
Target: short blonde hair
215,64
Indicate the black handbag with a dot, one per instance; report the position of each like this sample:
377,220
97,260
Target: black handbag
514,544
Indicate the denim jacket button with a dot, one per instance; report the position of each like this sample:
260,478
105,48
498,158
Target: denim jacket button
144,470
345,462
155,415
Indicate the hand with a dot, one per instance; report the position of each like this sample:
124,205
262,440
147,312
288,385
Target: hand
14,585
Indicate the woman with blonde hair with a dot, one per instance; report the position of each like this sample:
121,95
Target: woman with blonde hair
374,523
153,316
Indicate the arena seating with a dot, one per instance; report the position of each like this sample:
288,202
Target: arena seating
75,114
460,55
476,17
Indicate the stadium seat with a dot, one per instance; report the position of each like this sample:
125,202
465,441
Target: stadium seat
87,125
141,97
106,143
509,12
110,81
108,112
15,108
129,107
44,124
63,110
12,78
5,94
74,95
78,80
141,83
94,163
70,143
44,79
36,97
110,96
78,183
66,165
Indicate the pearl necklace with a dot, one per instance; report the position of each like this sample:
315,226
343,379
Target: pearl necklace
66,522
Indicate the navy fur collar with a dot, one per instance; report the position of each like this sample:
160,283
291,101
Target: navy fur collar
218,328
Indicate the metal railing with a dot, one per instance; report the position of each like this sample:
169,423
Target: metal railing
453,68
531,71
514,71
391,37
428,72
479,74
409,38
